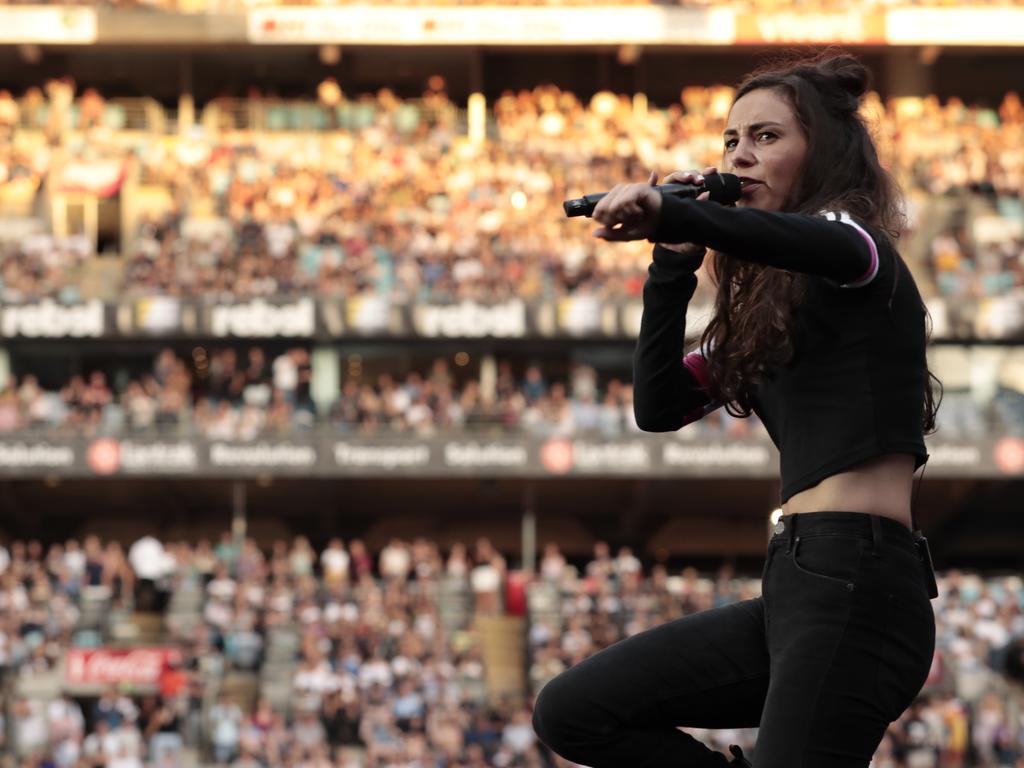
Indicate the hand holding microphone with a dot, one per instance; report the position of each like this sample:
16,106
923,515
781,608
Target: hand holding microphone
634,208
688,177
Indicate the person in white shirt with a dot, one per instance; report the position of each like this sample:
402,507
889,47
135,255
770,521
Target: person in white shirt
395,560
335,562
30,727
286,375
225,726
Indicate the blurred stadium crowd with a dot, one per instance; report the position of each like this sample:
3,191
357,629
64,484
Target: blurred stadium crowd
223,394
228,393
376,195
222,6
388,196
360,658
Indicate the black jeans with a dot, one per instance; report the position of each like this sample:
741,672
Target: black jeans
836,648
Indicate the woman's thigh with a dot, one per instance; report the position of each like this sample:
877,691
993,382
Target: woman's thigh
851,636
705,670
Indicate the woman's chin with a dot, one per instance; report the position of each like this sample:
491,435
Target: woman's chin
751,204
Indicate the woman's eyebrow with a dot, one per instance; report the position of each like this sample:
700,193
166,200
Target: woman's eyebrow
753,127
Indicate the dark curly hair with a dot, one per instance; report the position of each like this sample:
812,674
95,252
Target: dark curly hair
753,327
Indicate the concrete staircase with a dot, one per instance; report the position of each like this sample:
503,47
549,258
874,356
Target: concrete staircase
280,660
455,604
503,644
185,608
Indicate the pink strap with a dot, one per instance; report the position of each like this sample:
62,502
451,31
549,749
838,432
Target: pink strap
873,267
844,218
698,366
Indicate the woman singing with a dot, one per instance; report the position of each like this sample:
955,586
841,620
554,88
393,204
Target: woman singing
819,329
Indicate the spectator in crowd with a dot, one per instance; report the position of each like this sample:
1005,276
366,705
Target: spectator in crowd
225,729
383,675
441,236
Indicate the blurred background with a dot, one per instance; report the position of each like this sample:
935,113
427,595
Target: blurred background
316,434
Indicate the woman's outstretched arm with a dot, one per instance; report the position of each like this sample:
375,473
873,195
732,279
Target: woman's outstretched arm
832,245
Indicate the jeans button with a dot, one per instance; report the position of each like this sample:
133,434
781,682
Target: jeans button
779,527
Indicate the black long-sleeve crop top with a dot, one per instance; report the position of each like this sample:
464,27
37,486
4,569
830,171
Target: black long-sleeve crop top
855,386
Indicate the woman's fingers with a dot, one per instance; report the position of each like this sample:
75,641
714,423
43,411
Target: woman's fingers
627,212
685,177
622,234
621,204
604,205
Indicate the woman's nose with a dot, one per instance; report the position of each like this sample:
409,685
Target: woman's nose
742,155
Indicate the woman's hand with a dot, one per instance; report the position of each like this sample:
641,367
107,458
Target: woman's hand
688,177
630,211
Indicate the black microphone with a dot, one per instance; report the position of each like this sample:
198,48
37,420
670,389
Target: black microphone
724,189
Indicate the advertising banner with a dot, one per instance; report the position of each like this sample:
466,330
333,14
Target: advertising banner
307,318
651,24
470,319
326,453
260,318
492,24
851,27
964,25
101,177
62,24
49,319
117,666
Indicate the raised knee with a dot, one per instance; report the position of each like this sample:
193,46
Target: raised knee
545,715
552,713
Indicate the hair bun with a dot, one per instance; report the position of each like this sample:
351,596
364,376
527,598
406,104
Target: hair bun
852,76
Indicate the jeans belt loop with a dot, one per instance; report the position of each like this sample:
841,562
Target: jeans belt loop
790,532
876,535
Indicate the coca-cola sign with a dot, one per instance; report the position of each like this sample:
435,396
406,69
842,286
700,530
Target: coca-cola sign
136,666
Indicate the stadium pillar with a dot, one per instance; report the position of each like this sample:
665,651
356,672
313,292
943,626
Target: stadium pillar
326,385
476,112
476,70
529,528
186,102
488,379
239,514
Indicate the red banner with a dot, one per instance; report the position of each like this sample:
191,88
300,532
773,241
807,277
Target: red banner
138,666
102,178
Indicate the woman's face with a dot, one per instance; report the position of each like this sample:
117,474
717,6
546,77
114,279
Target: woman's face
764,141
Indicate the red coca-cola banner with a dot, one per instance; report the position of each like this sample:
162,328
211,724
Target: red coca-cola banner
138,666
101,177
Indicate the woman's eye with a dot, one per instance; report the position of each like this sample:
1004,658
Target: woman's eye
730,143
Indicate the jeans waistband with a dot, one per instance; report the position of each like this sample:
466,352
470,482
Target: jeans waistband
874,528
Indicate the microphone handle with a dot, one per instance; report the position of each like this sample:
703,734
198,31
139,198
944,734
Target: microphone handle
584,206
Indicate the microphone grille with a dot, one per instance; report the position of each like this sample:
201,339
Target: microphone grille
724,187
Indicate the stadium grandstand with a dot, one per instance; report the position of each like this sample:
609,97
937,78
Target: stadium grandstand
317,444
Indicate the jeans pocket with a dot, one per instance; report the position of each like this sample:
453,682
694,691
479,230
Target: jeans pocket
907,649
835,559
